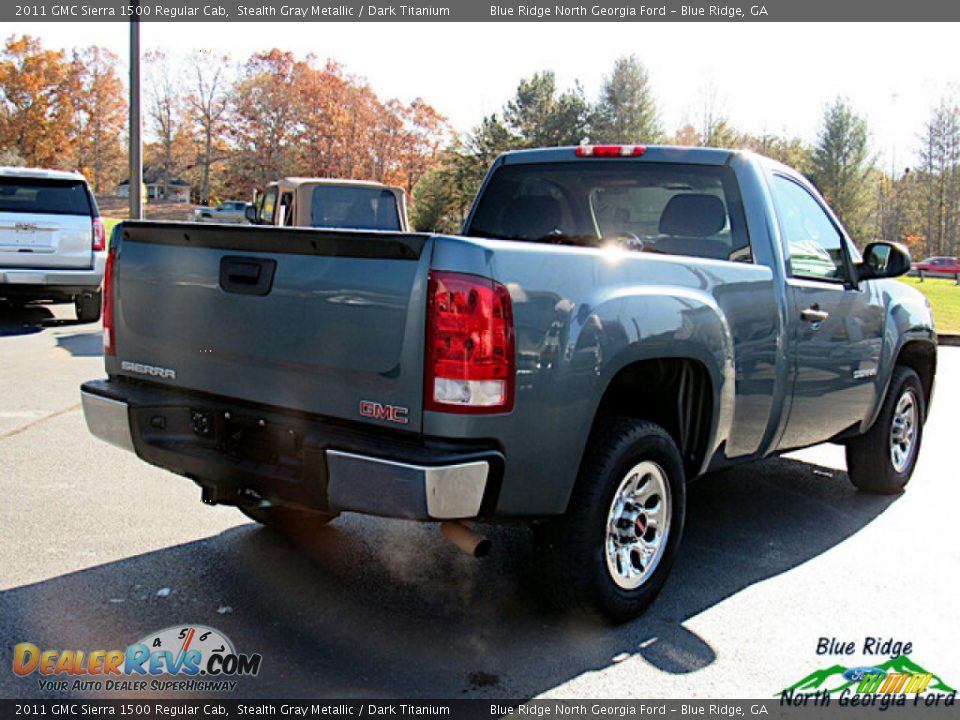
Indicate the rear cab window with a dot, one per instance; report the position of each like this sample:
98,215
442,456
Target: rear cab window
357,208
670,208
45,196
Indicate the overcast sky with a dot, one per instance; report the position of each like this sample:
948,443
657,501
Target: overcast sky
774,77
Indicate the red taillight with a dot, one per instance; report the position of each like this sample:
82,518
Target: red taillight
108,346
470,353
99,235
609,151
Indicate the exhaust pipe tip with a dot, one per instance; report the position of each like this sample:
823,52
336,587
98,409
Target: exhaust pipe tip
466,539
482,548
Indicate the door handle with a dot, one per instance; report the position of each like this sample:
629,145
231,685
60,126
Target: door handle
247,275
814,314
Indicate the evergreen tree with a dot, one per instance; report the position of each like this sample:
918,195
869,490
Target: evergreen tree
841,166
626,111
539,117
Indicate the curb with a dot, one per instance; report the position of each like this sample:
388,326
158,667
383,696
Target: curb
952,340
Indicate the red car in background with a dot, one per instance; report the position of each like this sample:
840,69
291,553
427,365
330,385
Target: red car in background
938,265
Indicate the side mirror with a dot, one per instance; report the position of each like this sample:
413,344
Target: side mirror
250,213
883,260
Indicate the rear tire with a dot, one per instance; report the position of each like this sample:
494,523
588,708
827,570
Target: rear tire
88,306
882,460
287,520
610,554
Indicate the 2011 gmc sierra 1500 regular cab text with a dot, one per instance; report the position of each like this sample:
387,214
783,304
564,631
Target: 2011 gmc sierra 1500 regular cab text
614,322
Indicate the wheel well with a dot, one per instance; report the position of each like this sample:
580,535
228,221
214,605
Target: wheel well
921,357
674,393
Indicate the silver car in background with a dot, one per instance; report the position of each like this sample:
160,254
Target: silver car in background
52,240
229,211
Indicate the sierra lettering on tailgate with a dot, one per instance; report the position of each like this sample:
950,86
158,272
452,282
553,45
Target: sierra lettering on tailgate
151,370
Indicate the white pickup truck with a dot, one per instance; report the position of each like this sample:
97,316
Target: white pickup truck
52,240
331,203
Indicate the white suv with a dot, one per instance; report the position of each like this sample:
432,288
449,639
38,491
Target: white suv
52,240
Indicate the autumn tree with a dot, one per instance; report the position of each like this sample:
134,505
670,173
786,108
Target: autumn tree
687,135
790,151
940,166
426,130
266,120
166,113
99,148
330,113
36,105
207,105
364,136
9,157
407,142
294,116
841,165
626,111
715,129
712,128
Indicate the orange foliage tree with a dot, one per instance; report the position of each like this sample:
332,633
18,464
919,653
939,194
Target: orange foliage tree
36,103
266,121
294,117
60,112
100,118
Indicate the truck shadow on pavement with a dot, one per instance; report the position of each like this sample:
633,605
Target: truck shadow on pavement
375,608
29,319
82,345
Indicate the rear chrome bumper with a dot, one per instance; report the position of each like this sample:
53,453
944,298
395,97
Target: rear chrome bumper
354,482
56,277
384,487
108,420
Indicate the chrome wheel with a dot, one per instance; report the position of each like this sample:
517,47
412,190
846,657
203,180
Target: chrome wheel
903,431
637,525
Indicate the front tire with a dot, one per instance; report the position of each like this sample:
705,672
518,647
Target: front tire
285,519
610,554
883,460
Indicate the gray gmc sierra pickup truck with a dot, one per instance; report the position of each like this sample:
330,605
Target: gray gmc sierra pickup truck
614,322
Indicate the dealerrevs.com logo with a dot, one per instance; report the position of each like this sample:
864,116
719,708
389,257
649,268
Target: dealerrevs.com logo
181,658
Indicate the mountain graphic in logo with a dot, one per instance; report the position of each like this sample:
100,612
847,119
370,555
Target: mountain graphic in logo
835,678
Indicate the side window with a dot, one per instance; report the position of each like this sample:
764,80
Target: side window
268,206
286,207
814,245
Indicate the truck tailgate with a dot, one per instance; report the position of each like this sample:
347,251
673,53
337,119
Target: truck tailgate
324,322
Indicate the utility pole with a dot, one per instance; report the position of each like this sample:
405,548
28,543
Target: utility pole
136,126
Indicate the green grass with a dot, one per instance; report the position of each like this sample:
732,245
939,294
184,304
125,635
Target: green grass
108,224
944,297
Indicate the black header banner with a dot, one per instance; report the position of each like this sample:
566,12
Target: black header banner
609,11
818,708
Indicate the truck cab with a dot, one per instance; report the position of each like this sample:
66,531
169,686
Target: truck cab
328,203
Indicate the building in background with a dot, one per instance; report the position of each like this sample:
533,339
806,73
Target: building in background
158,187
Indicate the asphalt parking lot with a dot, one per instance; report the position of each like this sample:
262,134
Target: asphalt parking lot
99,549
